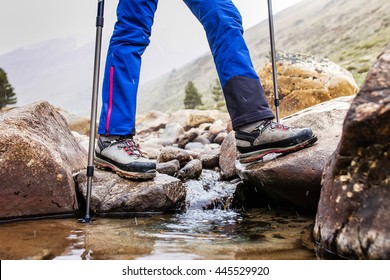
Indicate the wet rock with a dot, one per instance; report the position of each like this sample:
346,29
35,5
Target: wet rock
209,192
209,160
112,193
171,153
295,178
228,157
305,81
38,154
169,168
353,213
192,170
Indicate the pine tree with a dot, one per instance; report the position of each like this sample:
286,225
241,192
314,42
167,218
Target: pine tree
7,94
192,97
218,95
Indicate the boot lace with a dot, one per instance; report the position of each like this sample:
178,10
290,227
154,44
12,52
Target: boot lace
272,125
131,147
275,125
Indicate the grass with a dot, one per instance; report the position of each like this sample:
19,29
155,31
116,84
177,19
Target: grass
358,58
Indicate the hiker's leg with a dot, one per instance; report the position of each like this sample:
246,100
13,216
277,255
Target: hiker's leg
115,148
121,77
241,85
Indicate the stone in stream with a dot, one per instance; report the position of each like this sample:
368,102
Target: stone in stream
112,193
192,170
295,178
169,168
172,153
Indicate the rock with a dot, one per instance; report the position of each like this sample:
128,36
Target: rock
76,123
353,218
220,137
169,168
82,140
304,81
151,121
172,132
194,146
227,158
112,193
217,127
171,153
38,155
295,178
151,147
187,137
193,118
191,170
204,126
202,139
209,160
150,152
208,136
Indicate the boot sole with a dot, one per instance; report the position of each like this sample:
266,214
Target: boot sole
259,155
102,164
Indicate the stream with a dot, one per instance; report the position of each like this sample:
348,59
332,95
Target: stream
208,229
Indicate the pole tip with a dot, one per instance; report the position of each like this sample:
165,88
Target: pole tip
85,220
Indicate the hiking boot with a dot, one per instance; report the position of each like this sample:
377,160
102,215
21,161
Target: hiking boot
123,156
256,140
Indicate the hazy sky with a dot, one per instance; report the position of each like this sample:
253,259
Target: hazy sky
27,22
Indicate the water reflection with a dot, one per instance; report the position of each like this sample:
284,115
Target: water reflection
196,234
202,232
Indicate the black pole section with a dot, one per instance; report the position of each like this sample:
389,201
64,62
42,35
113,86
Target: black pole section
94,105
273,58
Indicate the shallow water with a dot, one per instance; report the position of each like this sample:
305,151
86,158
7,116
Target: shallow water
196,234
206,230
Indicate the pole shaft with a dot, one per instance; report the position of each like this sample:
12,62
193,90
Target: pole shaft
94,104
273,58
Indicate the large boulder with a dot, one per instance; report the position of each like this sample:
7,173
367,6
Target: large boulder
295,178
305,81
111,193
353,218
38,155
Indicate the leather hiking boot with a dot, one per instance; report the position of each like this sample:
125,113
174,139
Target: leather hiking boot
123,156
254,141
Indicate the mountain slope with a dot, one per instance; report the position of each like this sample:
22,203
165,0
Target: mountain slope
349,32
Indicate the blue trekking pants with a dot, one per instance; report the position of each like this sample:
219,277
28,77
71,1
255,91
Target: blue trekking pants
222,22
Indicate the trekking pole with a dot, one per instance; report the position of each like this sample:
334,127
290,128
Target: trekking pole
273,59
94,104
